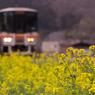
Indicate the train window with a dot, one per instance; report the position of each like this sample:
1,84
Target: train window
2,22
31,22
6,21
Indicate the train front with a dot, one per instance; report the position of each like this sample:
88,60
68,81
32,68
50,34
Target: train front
18,30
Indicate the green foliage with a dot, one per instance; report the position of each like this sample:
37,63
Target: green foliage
80,36
83,30
67,34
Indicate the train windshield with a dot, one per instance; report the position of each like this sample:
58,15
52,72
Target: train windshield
18,22
6,21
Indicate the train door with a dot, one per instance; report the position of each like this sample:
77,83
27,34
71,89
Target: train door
19,23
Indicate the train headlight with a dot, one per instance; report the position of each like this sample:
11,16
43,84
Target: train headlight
30,39
7,39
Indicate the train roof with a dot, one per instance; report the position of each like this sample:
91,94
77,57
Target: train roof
17,9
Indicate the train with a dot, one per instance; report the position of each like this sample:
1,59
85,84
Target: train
18,30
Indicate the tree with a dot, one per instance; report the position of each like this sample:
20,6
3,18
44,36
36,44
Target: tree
68,20
86,28
46,18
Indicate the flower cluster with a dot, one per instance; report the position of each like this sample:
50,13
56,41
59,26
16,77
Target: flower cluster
72,73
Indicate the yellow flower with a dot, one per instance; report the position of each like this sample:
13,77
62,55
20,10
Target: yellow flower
21,93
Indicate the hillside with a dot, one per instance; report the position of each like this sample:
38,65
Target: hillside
85,7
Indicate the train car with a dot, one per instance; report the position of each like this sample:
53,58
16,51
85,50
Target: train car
18,30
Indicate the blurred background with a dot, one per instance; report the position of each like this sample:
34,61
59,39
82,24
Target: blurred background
63,22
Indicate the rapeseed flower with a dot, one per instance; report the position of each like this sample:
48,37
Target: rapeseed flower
42,74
